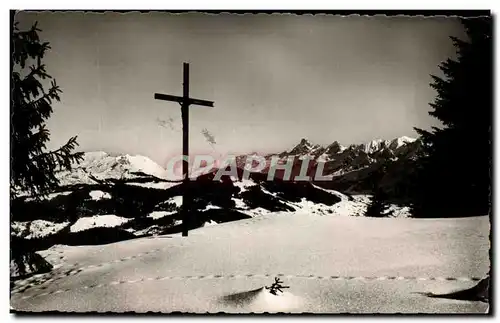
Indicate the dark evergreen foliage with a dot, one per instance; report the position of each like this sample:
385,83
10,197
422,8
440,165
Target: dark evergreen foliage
29,263
294,191
454,177
32,166
254,197
377,205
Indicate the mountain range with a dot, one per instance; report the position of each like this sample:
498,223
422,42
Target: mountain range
339,159
356,168
350,168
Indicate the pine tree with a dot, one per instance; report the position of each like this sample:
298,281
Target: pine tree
377,205
380,198
453,178
32,166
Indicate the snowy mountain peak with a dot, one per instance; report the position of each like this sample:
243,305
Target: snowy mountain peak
401,141
105,166
304,147
304,141
379,148
374,145
334,148
305,144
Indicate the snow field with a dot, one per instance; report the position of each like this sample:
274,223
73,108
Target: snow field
194,274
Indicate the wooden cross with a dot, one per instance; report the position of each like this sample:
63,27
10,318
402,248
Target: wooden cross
185,101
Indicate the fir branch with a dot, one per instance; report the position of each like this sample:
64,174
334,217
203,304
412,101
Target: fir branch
33,169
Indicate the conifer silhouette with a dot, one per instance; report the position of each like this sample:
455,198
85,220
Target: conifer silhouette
33,167
453,178
377,205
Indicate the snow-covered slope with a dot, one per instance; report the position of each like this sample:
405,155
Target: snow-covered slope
105,166
36,229
100,221
354,205
332,265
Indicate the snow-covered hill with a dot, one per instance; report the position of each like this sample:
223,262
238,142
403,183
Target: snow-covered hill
250,198
106,166
334,264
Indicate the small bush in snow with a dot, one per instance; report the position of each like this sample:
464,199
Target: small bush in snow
377,206
276,286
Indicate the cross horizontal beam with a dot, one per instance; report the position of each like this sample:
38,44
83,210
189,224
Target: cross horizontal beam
181,100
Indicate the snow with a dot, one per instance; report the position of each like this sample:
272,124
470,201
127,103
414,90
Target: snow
354,206
374,145
313,151
243,184
205,271
267,302
398,211
357,207
377,144
105,166
359,204
160,185
240,204
303,147
36,228
50,196
160,214
264,190
177,200
73,177
107,221
401,141
29,264
308,207
200,171
210,223
212,207
306,144
152,230
261,301
323,158
144,164
347,207
99,195
256,212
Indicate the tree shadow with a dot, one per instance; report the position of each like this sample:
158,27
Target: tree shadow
479,292
242,298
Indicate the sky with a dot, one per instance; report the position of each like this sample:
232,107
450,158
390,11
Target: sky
274,78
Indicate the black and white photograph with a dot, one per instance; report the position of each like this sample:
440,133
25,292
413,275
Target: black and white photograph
250,163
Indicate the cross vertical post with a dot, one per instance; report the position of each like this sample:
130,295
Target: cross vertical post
186,201
185,101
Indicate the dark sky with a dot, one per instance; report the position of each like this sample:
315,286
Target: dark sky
274,78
